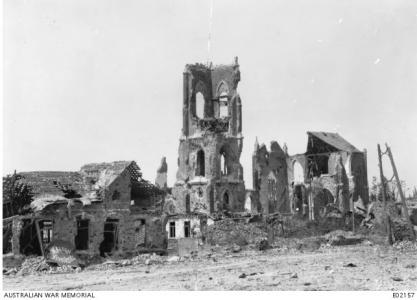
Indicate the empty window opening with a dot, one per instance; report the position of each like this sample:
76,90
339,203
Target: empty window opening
216,108
223,106
187,204
298,199
115,195
172,229
45,228
271,189
140,232
7,210
187,229
223,163
29,241
110,237
199,105
298,172
7,237
319,165
226,203
81,239
200,171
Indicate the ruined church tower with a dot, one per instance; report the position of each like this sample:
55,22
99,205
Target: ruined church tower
210,176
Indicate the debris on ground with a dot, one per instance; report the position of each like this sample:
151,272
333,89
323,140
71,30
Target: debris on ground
229,232
32,265
173,259
263,245
350,265
61,253
342,238
236,248
405,246
309,244
294,275
397,278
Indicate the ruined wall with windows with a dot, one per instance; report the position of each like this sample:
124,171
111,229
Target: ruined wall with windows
103,209
210,176
332,171
270,178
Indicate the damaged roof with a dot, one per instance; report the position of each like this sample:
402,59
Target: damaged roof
334,139
51,187
45,182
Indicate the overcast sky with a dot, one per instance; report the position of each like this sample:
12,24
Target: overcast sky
100,80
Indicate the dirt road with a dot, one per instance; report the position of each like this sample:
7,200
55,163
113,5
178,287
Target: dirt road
371,268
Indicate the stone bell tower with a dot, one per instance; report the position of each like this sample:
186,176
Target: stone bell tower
210,176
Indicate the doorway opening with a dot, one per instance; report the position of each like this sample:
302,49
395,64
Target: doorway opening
110,235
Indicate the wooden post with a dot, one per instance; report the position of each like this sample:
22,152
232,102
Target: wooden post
384,196
38,232
400,190
353,215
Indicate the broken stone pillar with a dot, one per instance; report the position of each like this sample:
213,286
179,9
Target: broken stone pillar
161,174
343,186
17,230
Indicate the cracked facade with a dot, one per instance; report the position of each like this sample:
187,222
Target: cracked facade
210,176
332,172
102,209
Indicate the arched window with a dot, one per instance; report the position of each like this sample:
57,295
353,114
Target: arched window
223,162
223,105
199,105
187,204
298,172
200,170
223,166
226,202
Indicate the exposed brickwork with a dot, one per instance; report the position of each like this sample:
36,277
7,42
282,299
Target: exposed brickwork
271,178
210,186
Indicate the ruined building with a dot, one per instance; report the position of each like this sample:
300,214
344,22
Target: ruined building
270,180
210,176
332,172
101,209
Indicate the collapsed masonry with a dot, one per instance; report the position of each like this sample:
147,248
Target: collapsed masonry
331,173
209,182
102,209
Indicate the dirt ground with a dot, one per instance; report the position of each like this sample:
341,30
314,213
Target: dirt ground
355,267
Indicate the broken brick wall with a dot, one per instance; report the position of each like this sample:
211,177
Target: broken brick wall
206,192
65,226
271,172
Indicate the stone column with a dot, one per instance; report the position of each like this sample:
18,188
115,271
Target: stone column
185,108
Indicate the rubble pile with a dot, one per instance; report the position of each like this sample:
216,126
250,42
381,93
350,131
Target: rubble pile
141,259
400,227
61,253
405,246
342,238
32,265
300,228
229,232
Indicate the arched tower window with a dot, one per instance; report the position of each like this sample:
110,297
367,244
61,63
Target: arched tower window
199,105
200,170
223,162
187,204
226,202
223,105
298,172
